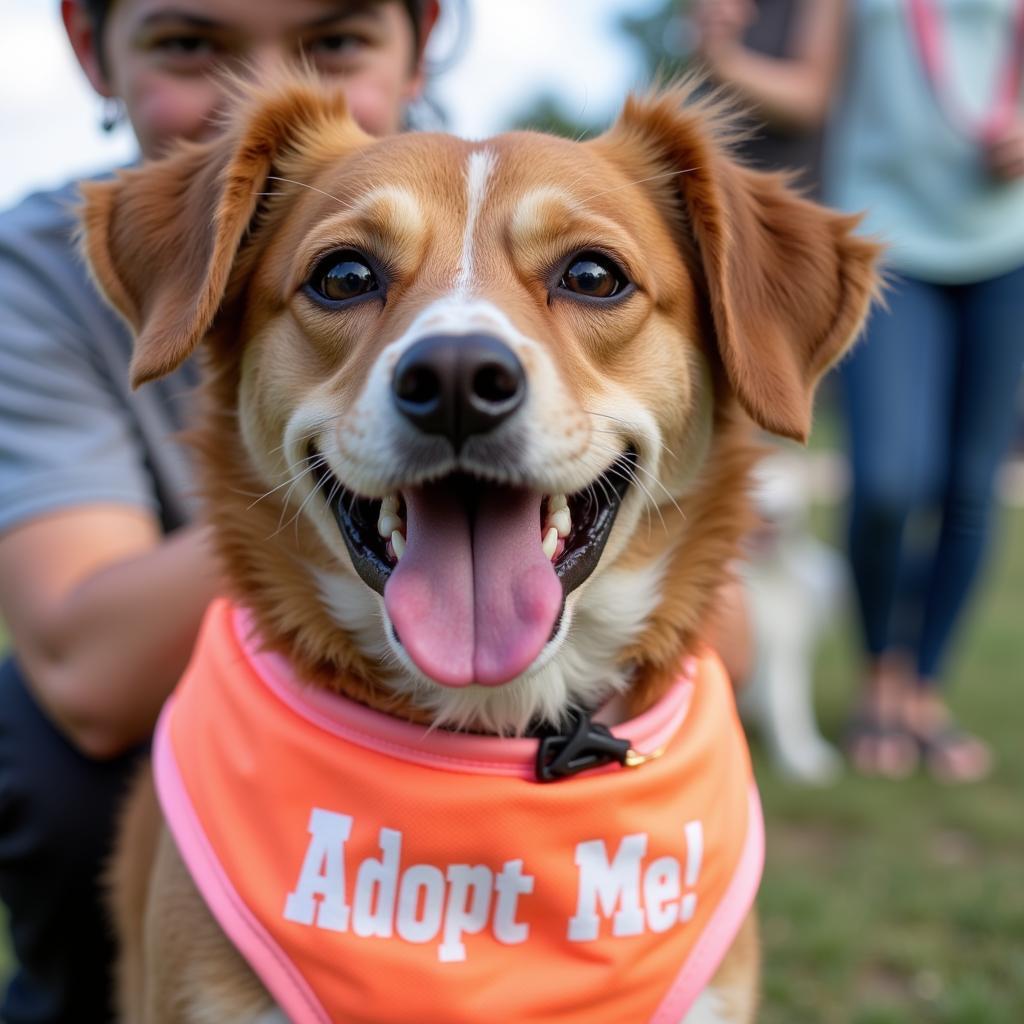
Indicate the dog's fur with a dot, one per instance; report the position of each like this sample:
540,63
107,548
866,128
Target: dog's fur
746,295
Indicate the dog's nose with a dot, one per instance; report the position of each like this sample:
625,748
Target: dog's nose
458,385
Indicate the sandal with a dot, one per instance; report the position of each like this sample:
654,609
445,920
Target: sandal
941,748
878,748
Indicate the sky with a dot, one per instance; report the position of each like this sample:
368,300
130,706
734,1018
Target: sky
49,118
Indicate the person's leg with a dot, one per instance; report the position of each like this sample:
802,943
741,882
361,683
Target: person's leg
57,817
897,389
990,357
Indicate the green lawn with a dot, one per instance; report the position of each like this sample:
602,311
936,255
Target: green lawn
903,903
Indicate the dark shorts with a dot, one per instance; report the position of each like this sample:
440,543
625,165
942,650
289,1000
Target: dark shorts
58,811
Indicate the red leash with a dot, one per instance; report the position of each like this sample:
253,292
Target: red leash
926,22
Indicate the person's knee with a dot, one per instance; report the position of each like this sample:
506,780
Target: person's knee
902,478
886,495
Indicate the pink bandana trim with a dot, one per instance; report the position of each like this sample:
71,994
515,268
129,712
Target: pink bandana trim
439,748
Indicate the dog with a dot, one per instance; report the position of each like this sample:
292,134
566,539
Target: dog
794,586
475,448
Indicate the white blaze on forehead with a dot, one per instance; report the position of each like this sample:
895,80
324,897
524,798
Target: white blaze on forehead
478,172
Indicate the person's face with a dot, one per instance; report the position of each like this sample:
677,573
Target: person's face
164,58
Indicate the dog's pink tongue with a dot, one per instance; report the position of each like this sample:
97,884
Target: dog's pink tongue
473,602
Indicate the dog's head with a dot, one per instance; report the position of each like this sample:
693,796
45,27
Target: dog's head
472,442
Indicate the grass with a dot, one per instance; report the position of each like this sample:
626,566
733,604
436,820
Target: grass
903,903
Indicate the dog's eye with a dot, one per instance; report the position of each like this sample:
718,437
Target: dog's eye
594,276
343,275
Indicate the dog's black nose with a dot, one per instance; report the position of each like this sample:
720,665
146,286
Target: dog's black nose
458,385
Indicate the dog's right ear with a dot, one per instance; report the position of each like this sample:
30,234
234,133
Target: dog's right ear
162,239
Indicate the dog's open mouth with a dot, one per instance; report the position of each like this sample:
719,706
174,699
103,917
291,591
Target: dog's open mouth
474,574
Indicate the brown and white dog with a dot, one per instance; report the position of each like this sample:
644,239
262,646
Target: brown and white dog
418,331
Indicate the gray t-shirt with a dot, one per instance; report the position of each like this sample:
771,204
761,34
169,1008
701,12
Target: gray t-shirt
72,432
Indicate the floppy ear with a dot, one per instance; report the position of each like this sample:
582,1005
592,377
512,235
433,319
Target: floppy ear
788,282
162,239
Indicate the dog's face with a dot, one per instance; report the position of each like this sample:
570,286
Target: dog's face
483,371
494,384
483,388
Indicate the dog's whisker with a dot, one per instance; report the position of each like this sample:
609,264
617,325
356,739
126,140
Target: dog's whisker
314,464
307,436
284,505
284,444
640,181
305,501
632,478
624,472
244,493
333,493
600,480
312,188
287,499
615,433
637,467
618,419
575,181
628,472
657,505
273,490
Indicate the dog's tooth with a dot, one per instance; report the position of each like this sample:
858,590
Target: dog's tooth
389,506
398,544
556,502
388,524
550,543
561,520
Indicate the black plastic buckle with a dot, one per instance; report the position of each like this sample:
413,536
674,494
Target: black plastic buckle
586,745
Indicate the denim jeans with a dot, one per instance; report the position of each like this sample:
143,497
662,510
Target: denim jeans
930,399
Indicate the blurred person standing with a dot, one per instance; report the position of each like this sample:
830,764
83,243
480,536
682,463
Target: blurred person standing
776,30
925,134
104,573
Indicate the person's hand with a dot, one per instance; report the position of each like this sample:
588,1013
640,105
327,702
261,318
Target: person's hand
1004,153
720,25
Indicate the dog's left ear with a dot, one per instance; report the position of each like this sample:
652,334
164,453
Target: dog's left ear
162,239
788,282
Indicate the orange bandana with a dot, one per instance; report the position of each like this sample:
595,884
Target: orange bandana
371,870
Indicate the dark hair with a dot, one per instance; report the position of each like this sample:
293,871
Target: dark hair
99,9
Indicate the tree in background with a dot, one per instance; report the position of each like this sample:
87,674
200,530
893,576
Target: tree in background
662,41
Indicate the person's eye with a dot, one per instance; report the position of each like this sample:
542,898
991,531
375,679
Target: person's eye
184,46
335,44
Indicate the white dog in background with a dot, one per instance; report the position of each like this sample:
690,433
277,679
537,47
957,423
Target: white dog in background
795,585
